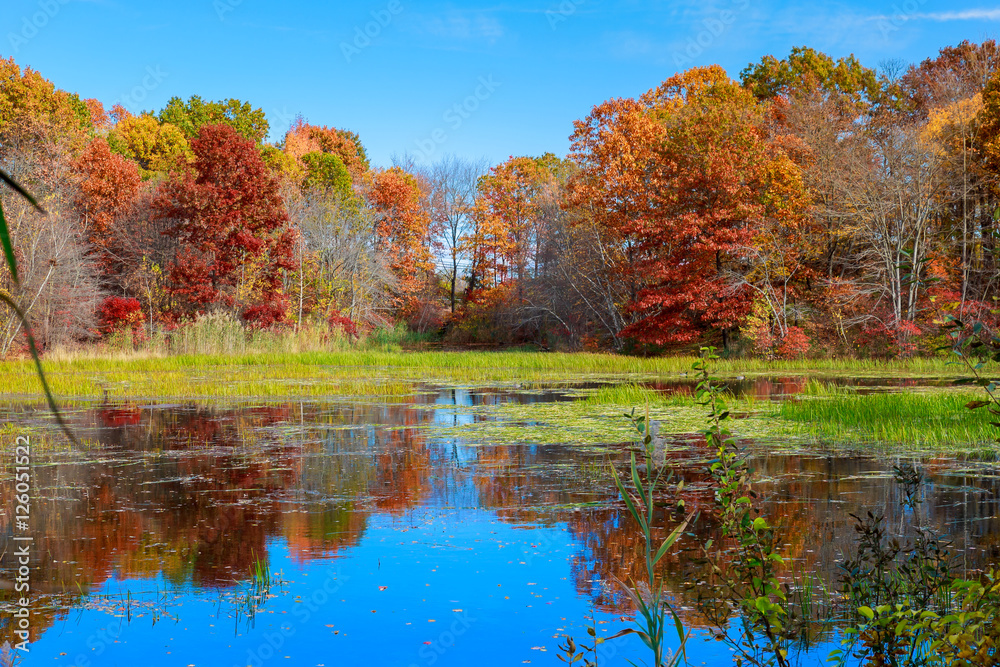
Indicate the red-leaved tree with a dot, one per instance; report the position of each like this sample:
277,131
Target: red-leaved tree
231,226
121,314
692,184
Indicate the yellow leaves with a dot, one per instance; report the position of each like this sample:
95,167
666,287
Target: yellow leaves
990,121
252,280
696,85
508,216
154,146
964,111
951,129
27,98
281,163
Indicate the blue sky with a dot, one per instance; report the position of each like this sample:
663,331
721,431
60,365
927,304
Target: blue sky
520,70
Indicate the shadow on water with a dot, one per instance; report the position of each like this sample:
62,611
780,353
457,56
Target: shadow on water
177,502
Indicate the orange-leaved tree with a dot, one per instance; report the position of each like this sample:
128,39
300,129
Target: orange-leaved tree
108,185
506,230
304,139
688,177
402,231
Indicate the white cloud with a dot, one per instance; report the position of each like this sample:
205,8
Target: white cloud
463,26
964,15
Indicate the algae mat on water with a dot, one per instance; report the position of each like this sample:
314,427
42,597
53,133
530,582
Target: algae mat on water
583,423
929,420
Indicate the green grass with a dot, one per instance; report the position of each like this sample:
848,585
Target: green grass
199,378
588,424
826,415
626,394
936,418
317,373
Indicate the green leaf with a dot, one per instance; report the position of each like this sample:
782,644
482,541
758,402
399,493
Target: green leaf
8,248
12,184
867,612
638,483
672,538
627,497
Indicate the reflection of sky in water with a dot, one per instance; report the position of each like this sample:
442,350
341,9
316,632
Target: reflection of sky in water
457,592
524,540
460,398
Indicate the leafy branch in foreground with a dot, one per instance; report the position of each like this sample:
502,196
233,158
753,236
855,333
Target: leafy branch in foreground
746,581
654,614
973,352
917,613
648,599
11,261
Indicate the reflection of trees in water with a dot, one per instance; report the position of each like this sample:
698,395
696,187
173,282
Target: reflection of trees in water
194,494
524,483
811,498
761,388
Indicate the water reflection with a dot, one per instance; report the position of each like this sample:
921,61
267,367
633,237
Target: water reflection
188,497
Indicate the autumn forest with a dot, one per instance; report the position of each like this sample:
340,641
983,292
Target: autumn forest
814,207
696,366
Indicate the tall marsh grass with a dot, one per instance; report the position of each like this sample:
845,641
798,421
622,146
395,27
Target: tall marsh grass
221,334
626,394
304,363
932,418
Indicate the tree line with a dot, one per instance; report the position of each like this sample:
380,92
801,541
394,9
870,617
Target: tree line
814,206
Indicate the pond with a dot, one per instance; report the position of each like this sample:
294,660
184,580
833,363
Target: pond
383,542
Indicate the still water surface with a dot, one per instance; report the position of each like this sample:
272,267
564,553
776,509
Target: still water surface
392,547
